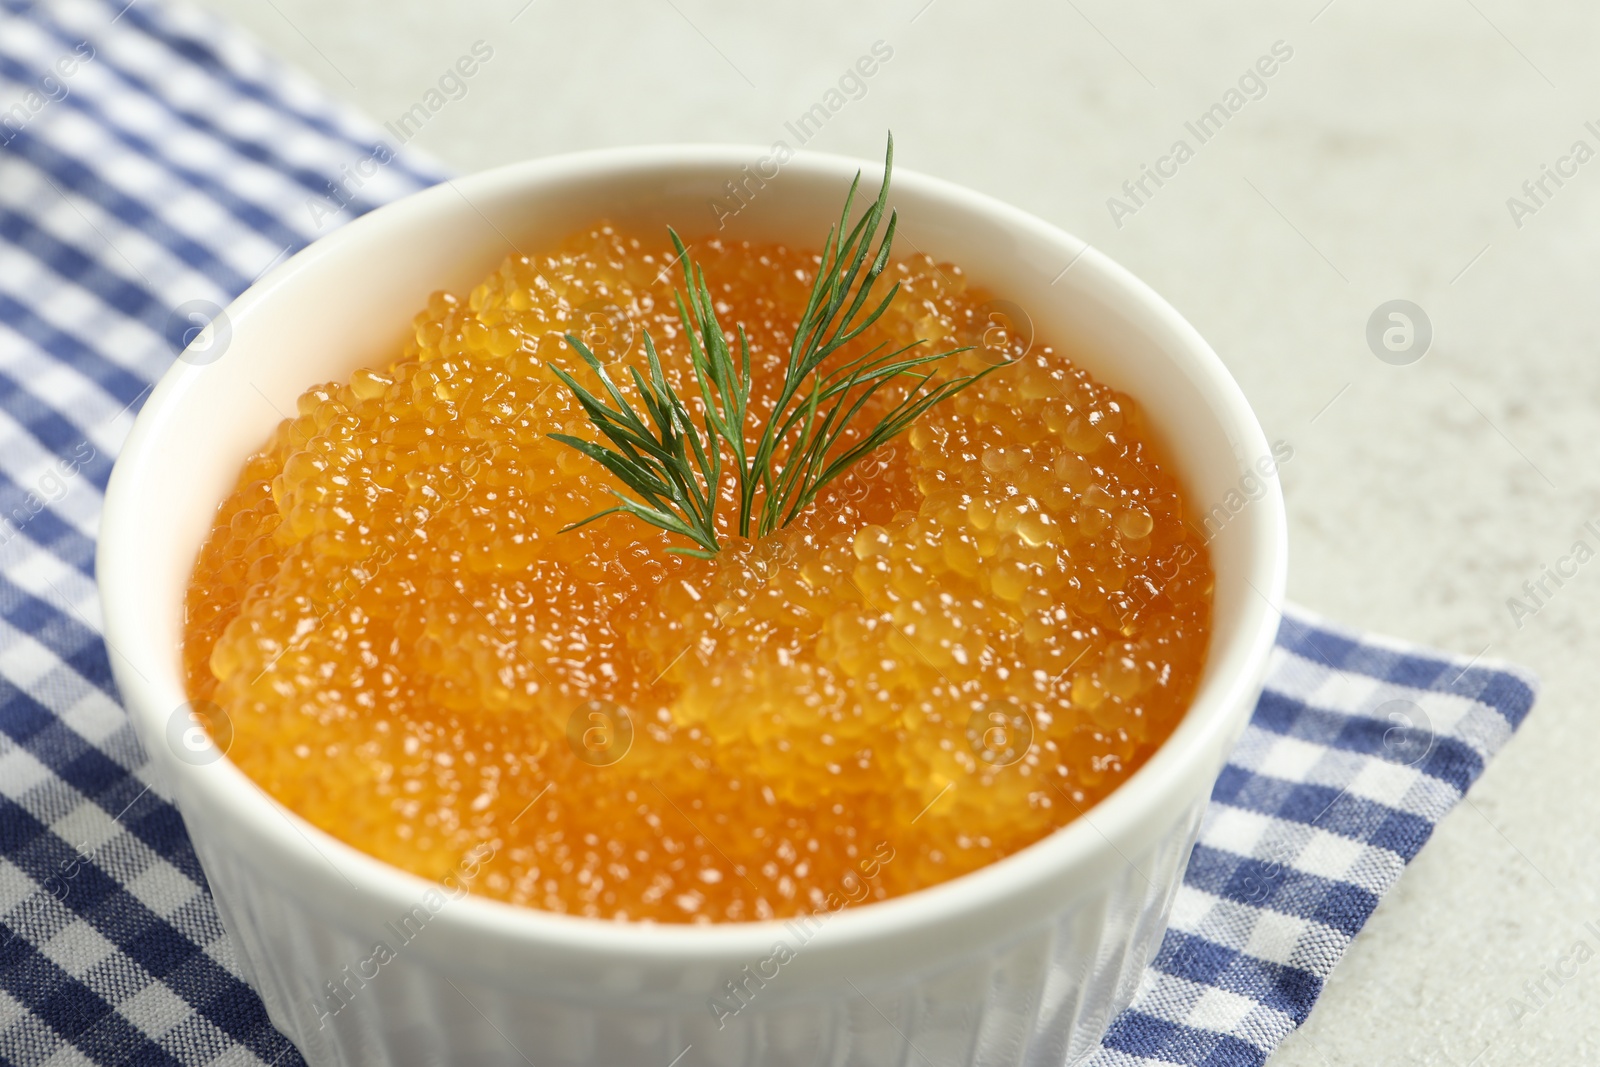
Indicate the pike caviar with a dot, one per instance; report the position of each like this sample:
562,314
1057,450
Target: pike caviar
960,646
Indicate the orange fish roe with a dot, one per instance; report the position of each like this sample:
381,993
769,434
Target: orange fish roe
965,642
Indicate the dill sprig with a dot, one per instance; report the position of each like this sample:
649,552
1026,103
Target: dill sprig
675,468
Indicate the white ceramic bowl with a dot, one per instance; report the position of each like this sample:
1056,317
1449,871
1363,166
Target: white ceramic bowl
1024,961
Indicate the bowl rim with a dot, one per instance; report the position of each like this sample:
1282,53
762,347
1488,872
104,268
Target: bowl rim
1087,843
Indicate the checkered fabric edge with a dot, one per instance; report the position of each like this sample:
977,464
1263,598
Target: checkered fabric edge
152,160
1357,748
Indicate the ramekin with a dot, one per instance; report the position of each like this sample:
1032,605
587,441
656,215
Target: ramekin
1023,962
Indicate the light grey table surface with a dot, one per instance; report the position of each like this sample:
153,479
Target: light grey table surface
1376,164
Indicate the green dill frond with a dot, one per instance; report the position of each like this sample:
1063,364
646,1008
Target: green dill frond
673,468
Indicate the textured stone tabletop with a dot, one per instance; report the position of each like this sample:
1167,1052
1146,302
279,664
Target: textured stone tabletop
1425,151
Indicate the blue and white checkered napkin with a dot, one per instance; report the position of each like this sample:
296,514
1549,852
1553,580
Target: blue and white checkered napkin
150,159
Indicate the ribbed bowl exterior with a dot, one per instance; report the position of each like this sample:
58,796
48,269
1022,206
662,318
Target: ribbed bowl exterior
1042,999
